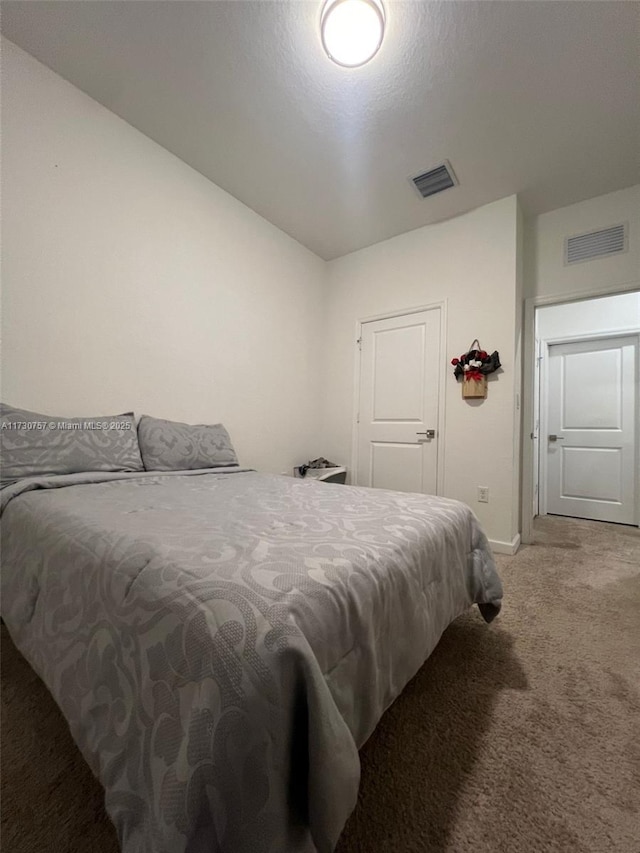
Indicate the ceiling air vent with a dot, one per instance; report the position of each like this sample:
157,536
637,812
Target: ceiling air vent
595,244
435,180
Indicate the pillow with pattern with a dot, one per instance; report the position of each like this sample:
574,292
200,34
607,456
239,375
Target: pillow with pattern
173,446
32,444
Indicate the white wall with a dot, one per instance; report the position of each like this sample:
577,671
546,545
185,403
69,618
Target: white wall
546,273
613,314
471,263
131,281
548,279
517,374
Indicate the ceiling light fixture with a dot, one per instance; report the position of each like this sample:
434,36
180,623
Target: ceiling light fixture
352,30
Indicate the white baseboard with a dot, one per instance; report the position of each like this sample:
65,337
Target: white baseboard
509,548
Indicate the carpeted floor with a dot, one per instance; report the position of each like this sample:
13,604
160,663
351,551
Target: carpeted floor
519,737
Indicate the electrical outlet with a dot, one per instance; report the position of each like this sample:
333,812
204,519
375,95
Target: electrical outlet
483,494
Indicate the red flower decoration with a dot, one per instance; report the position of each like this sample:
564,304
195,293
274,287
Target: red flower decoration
455,361
482,354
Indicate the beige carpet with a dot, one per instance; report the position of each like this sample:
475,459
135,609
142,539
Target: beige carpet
518,737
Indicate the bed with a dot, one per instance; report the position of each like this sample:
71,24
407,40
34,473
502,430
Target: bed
222,642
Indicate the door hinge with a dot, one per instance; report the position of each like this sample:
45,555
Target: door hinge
359,342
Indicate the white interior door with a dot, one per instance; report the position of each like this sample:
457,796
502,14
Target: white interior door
591,430
398,411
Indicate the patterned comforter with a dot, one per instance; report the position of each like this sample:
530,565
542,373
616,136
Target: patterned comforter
222,644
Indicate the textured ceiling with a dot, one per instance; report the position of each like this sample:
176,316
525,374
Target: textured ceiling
538,98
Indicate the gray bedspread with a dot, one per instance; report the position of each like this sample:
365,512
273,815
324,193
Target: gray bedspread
222,643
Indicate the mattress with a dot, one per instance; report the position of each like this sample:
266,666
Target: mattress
222,643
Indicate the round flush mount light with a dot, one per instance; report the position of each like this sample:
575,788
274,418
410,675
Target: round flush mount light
352,30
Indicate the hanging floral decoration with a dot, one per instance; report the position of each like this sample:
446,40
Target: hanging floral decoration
476,363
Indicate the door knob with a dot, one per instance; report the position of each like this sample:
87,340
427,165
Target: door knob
553,437
430,433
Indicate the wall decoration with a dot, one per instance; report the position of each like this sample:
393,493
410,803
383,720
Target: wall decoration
473,367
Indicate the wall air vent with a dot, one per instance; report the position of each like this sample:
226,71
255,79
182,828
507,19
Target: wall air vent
435,180
595,244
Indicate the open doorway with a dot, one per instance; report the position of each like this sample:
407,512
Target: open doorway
583,458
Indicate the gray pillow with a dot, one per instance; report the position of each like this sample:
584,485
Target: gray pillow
172,446
34,445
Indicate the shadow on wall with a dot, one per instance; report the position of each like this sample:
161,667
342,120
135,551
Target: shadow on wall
423,751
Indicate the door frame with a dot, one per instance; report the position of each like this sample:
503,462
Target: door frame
543,413
528,366
389,315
